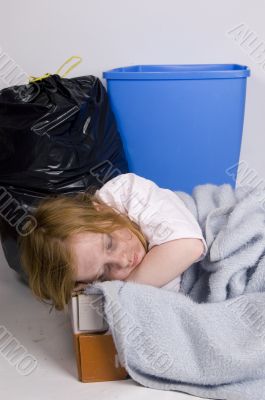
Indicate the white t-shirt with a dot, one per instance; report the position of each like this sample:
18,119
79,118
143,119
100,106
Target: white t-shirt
160,213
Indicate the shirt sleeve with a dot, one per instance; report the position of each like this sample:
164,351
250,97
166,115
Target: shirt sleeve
160,213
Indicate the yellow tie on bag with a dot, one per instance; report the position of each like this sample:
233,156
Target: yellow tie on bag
34,79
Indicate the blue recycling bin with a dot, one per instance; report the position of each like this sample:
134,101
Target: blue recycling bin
181,125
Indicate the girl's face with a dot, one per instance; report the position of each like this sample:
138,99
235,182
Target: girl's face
106,256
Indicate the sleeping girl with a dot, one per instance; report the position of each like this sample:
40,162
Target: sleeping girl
130,230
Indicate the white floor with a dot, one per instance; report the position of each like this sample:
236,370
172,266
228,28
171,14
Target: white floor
48,339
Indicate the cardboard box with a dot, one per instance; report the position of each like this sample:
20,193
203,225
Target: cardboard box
96,355
97,358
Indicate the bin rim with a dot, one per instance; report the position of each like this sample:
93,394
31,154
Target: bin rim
178,71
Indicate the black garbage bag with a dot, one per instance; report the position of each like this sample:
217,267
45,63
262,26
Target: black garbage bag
57,135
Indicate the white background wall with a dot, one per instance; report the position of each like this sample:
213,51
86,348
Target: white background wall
40,35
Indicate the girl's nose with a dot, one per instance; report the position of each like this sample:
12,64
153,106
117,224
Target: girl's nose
120,261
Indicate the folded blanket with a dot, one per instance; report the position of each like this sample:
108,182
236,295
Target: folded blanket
207,340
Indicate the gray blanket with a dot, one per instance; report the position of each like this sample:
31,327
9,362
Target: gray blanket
209,339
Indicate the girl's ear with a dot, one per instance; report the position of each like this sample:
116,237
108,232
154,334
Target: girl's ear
98,207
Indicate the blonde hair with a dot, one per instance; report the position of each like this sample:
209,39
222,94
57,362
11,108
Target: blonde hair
45,255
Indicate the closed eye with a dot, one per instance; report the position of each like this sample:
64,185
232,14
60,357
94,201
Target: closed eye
110,242
102,276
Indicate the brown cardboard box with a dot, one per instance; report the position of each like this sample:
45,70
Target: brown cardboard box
96,355
97,358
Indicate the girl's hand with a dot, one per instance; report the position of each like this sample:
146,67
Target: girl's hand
79,287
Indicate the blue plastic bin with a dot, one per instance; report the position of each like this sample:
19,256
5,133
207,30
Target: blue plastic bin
181,125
